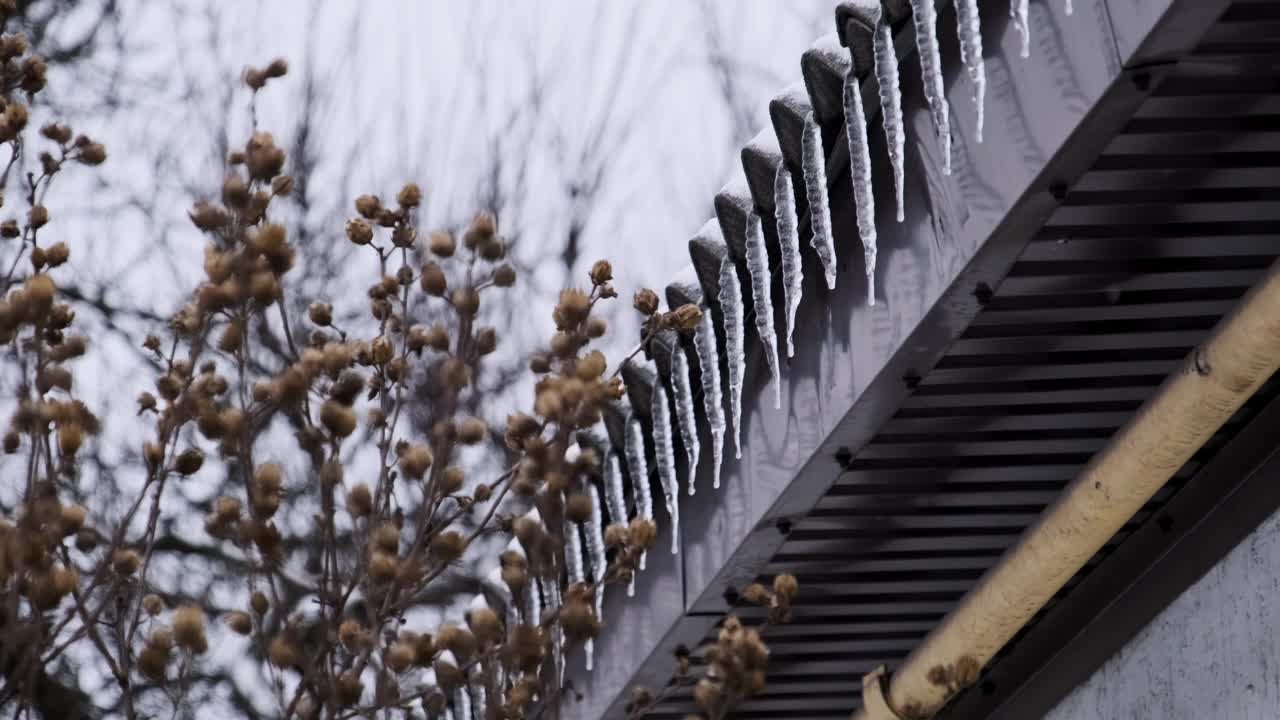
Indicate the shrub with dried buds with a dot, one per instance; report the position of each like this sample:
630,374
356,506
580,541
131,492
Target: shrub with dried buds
246,361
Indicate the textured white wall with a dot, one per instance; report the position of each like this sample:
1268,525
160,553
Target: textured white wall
1213,653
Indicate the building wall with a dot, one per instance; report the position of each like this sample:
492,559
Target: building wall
1213,653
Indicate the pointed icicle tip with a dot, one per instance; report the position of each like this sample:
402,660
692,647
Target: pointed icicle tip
814,165
925,18
860,169
731,307
1019,11
969,28
686,418
704,342
762,299
886,62
664,448
784,203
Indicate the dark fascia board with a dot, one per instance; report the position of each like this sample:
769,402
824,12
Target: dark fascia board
962,233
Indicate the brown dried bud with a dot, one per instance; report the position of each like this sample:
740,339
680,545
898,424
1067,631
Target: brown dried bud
283,652
404,236
239,622
646,301
352,635
448,546
466,301
482,230
368,206
433,280
757,594
486,340
442,244
596,326
125,562
786,587
153,604
37,216
360,500
359,231
321,314
254,78
451,479
504,275
643,533
399,656
601,272
615,535
349,688
415,460
578,508
72,519
86,540
259,603
338,418
686,317
189,461
410,195
10,229
277,68
382,566
282,185
472,430
94,153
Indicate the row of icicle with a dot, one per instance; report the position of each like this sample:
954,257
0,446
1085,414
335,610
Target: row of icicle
590,534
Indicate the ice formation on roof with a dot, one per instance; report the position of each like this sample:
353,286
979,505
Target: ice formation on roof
687,419
970,31
813,163
935,93
734,339
860,168
762,299
704,341
784,210
886,62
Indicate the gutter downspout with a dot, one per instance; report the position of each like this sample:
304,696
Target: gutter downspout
1191,405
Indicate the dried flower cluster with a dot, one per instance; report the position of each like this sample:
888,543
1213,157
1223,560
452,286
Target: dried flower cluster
734,663
80,581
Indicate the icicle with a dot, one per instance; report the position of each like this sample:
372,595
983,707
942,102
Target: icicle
762,298
1018,11
860,168
666,456
784,210
814,164
704,341
682,386
926,22
594,528
886,62
551,594
734,340
500,588
613,489
462,701
1069,8
448,714
533,603
479,701
639,468
970,31
573,553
